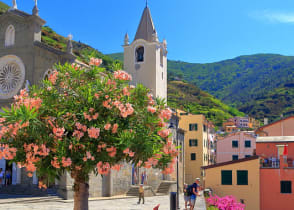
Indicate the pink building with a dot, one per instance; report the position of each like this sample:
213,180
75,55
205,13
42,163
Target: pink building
235,146
283,127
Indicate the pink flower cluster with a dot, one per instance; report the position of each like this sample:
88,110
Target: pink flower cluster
126,110
126,91
33,153
111,151
122,75
58,132
95,62
100,147
165,114
6,152
93,132
24,99
92,115
151,109
164,133
150,99
129,152
53,77
225,203
81,129
55,163
103,168
89,157
66,162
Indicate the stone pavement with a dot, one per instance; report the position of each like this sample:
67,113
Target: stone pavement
114,203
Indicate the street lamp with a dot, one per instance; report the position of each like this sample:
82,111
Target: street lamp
177,144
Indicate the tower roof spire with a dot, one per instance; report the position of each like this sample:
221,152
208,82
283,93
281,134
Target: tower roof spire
146,27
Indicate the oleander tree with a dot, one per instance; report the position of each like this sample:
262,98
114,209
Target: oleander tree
83,120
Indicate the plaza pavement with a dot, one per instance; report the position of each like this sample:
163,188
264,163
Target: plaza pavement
113,203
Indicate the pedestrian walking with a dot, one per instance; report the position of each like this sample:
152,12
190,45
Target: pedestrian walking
186,195
195,193
141,194
8,177
1,176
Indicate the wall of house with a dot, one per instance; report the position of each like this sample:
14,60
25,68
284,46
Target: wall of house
270,149
271,197
249,193
225,151
280,128
192,168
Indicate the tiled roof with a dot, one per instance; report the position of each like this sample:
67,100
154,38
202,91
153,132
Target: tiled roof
231,162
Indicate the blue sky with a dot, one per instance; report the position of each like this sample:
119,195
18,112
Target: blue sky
199,31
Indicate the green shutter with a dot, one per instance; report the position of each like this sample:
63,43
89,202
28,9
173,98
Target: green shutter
242,177
226,177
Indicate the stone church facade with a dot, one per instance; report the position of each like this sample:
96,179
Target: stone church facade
25,60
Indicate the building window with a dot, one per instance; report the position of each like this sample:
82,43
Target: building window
193,156
247,156
140,54
235,157
248,143
193,142
193,127
10,36
242,177
226,177
286,187
235,144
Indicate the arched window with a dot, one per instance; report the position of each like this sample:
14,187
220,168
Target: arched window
140,54
9,36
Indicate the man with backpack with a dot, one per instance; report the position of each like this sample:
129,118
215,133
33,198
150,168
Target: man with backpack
187,195
195,188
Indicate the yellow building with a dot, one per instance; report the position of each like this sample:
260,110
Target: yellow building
195,146
239,178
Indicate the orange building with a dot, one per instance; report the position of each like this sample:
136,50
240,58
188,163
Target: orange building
283,127
229,127
276,172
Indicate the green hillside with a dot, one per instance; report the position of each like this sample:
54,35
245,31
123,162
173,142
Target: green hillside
272,104
3,7
82,51
190,98
246,82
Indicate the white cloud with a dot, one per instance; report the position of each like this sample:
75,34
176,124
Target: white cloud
274,17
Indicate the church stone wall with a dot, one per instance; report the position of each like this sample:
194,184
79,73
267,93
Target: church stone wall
122,180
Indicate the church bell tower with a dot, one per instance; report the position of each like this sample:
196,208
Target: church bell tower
146,57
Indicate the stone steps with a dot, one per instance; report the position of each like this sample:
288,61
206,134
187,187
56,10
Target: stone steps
164,187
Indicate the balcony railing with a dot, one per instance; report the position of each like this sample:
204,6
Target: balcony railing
268,163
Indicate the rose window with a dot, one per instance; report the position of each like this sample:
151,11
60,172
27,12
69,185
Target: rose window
12,76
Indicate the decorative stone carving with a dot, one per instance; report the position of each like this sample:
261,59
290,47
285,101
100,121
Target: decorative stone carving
12,75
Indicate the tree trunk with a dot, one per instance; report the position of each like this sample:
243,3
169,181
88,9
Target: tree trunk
81,194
